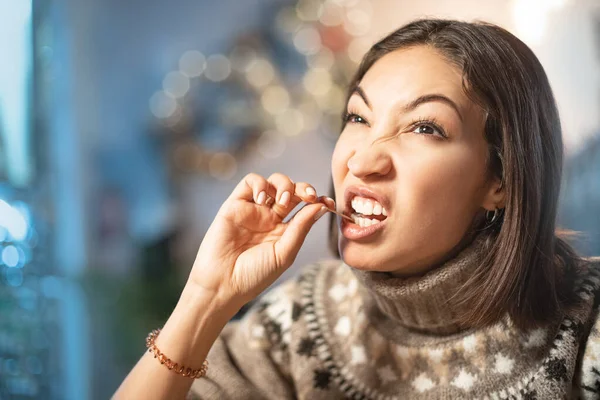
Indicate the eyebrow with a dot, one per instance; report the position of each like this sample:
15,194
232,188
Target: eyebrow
427,98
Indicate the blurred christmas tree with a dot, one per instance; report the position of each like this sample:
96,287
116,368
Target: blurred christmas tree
280,81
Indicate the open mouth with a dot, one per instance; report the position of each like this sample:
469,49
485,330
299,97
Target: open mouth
366,211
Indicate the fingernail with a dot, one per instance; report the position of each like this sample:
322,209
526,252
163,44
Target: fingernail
310,191
284,199
321,212
261,198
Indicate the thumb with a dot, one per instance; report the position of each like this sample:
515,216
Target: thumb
292,239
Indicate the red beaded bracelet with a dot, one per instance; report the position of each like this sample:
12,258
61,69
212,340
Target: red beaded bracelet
173,366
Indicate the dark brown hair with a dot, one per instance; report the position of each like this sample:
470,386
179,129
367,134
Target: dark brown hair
529,269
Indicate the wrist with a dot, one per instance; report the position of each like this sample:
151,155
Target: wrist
194,325
195,297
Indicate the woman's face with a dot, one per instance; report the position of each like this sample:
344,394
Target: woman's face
413,148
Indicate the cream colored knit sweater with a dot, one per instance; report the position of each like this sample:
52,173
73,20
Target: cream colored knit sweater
335,333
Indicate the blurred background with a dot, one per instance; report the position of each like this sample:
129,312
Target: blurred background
125,124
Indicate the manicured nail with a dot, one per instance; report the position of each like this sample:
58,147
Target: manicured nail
310,191
332,201
321,212
284,199
261,198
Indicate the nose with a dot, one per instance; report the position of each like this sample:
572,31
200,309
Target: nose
370,160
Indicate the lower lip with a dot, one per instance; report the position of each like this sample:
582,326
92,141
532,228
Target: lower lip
354,232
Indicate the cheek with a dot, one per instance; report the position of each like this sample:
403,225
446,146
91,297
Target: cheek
441,188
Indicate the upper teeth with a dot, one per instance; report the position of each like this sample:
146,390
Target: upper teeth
368,206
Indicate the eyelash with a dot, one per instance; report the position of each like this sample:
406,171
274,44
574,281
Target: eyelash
431,122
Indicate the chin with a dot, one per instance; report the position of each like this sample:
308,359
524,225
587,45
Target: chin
378,259
362,259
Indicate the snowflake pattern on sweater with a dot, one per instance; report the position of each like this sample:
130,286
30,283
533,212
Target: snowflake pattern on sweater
317,338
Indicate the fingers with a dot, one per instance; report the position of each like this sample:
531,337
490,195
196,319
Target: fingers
278,192
290,194
328,201
253,187
282,195
284,189
306,192
297,230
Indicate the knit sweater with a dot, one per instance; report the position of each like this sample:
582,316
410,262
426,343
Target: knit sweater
335,332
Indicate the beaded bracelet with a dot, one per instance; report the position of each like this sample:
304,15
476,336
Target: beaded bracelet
173,366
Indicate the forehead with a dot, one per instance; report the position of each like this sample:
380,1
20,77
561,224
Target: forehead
408,73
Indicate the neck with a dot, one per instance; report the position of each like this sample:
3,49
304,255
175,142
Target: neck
420,270
424,303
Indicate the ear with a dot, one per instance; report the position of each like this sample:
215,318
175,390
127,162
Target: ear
495,195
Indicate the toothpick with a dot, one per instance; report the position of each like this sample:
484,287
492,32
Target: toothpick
304,202
340,214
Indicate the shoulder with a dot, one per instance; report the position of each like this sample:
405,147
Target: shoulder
589,291
592,263
583,300
587,284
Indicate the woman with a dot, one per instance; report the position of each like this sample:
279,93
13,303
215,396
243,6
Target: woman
452,284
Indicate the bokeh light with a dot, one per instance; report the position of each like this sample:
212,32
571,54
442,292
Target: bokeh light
13,221
162,105
323,59
317,81
13,276
24,255
332,14
222,166
192,63
275,99
176,84
218,68
10,256
260,72
309,10
307,40
358,22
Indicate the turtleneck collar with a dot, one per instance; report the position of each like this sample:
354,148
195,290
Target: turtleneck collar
421,303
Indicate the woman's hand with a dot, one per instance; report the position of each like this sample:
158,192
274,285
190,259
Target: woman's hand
247,247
